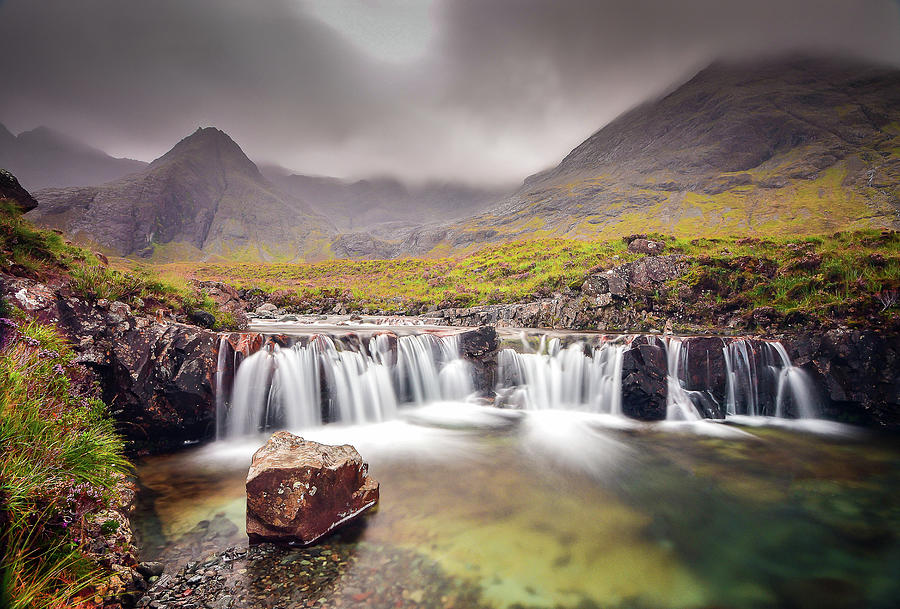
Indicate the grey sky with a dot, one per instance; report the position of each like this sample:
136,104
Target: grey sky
482,90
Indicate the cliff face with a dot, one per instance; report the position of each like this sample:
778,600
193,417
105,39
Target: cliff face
786,146
203,198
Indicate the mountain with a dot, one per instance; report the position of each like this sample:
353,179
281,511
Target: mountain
364,204
44,158
204,198
805,145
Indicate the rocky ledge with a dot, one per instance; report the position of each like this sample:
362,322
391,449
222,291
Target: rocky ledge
156,375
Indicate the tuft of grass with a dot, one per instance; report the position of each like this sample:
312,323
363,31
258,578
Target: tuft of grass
59,460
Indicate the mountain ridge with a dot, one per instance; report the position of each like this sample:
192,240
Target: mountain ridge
46,158
204,198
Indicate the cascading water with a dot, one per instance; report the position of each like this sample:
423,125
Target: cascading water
763,382
576,377
679,401
301,386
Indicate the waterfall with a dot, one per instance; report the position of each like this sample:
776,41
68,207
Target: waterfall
679,402
762,381
576,377
221,370
303,385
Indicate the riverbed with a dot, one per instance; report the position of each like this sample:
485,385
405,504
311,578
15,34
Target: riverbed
485,507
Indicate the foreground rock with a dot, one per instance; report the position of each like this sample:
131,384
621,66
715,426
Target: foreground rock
299,491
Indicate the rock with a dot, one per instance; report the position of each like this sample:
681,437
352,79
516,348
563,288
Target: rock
150,569
266,308
299,491
644,380
203,318
157,376
646,246
12,190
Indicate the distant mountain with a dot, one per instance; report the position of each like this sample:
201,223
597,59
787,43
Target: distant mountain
44,158
801,145
204,198
363,204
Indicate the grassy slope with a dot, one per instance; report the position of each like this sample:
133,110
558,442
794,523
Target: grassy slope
26,251
59,461
843,276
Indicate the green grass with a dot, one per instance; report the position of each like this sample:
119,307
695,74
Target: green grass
59,460
843,276
43,254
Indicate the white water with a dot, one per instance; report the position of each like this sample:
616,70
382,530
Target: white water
759,369
299,387
302,386
573,378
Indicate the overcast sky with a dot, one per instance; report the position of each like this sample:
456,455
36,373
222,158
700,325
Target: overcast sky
486,91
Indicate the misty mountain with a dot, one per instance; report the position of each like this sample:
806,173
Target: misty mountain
801,145
44,158
362,205
203,198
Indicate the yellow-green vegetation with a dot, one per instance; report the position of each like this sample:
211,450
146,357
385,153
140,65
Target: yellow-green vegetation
59,461
843,276
43,254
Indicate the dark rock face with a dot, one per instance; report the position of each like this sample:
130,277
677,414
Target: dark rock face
156,376
479,347
299,491
644,380
707,372
202,318
12,190
856,372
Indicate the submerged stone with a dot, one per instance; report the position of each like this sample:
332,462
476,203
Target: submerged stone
299,491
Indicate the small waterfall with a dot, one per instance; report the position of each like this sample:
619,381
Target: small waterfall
679,401
576,377
762,381
221,371
303,385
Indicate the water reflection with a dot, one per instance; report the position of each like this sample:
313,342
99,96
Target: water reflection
563,508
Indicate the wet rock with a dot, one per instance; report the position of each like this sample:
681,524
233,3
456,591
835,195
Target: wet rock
150,569
644,380
479,347
157,376
299,491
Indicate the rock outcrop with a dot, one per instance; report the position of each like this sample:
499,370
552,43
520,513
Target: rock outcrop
299,491
155,375
855,372
12,190
644,374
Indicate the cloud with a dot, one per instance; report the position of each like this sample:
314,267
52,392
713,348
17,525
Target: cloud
478,90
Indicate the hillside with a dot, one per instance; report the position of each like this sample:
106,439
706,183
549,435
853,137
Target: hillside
44,158
204,198
803,145
365,204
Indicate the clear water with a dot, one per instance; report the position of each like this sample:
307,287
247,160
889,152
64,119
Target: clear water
496,508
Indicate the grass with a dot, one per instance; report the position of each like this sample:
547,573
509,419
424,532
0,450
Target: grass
43,254
59,460
839,277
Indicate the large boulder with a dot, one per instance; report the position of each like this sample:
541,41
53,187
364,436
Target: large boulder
299,491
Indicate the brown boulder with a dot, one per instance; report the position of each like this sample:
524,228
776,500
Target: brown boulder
646,246
299,491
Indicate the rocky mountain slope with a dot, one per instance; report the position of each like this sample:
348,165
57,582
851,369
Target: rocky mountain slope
802,145
202,199
44,158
